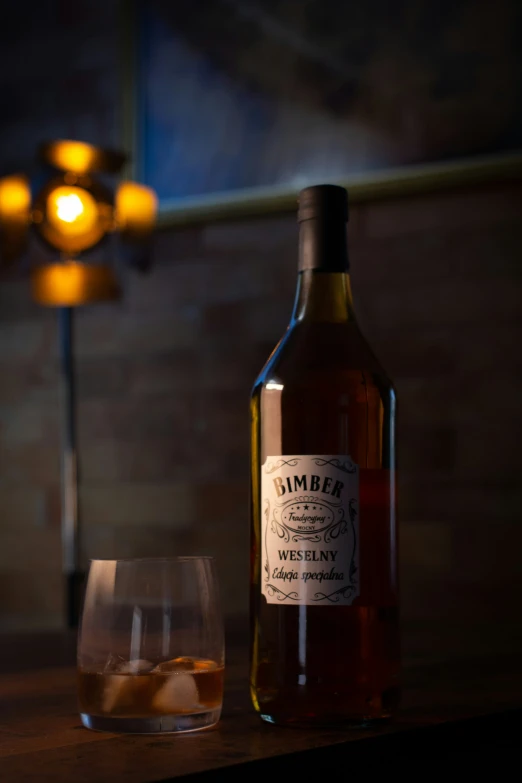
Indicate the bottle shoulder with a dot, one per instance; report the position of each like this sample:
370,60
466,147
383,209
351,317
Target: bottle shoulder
269,371
320,350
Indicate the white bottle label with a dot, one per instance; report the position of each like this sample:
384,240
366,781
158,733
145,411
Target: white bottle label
310,530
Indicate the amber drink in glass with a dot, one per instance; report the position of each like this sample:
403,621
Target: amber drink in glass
151,651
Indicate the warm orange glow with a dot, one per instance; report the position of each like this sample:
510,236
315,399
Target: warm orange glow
72,210
71,284
15,199
69,208
72,219
76,156
136,208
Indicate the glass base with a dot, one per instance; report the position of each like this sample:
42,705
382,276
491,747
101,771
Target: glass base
156,724
348,722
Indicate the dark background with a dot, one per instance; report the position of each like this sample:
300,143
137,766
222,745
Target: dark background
164,374
251,93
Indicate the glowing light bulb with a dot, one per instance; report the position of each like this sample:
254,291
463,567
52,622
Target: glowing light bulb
72,219
72,209
69,208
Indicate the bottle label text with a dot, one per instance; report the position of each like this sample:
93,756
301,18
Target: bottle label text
310,530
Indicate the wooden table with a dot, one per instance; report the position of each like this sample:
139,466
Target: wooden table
468,708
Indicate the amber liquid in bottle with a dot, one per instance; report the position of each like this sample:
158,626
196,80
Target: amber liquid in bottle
322,392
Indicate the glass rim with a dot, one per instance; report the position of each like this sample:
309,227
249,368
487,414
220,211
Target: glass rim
173,559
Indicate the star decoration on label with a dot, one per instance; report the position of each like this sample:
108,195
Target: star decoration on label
306,508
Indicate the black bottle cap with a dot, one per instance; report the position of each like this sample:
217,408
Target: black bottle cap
323,201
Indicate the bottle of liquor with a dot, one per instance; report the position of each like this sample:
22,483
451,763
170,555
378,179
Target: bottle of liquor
324,604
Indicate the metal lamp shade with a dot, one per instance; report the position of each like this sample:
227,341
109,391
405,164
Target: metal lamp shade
71,284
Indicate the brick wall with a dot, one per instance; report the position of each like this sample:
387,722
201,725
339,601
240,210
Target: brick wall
164,375
164,378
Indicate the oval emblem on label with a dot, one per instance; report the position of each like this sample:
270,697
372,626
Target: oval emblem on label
307,516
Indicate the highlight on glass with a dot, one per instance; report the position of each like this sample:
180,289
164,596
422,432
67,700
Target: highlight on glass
151,646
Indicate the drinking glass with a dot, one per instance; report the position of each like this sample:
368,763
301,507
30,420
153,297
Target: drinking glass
151,646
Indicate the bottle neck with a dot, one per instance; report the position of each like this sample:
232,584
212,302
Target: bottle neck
322,245
323,288
324,297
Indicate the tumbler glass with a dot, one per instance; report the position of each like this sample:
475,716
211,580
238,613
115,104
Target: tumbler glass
151,646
